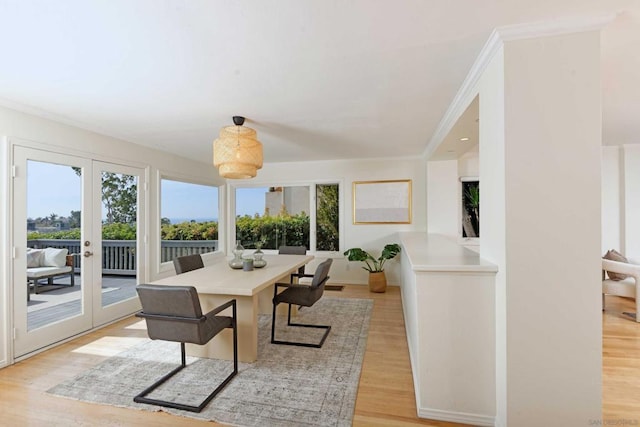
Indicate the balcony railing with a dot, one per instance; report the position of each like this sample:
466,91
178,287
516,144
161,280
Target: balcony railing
118,256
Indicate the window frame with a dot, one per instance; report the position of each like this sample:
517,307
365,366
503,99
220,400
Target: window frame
231,213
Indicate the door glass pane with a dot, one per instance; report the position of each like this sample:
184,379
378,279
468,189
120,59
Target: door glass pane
273,216
54,201
119,232
189,219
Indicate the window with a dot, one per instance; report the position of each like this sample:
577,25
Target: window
327,217
189,219
300,215
470,207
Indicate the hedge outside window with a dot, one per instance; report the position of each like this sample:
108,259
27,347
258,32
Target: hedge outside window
279,215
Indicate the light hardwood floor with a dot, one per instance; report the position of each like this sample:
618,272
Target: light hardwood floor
385,395
621,363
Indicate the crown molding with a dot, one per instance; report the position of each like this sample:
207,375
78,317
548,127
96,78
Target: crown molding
469,88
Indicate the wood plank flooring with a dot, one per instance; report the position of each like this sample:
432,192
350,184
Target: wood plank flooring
621,363
385,395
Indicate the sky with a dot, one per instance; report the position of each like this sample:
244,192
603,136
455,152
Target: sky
56,189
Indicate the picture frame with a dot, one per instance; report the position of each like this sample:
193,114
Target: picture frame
382,202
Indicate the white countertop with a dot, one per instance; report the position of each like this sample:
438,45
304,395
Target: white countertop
435,252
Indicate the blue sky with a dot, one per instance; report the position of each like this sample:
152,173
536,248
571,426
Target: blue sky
52,189
56,189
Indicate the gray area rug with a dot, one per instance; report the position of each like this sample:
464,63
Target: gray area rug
286,386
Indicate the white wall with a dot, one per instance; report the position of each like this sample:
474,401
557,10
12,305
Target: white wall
621,198
540,158
45,134
4,256
469,163
612,199
631,202
369,237
442,197
444,192
493,210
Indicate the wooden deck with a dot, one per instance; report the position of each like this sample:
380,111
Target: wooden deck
61,301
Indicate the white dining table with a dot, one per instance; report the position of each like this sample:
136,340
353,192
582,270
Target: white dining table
253,290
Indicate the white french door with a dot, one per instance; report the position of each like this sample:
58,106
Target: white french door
119,261
58,209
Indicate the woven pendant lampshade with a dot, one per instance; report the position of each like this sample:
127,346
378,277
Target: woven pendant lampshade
237,153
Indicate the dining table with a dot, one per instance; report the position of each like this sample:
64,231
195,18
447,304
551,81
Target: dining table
218,283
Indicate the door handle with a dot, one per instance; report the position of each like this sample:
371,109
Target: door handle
87,254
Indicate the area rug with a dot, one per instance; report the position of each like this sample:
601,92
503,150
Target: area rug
286,386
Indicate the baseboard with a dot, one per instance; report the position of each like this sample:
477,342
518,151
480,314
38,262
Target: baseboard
457,417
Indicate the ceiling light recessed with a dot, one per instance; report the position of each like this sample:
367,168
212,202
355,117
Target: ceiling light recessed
464,139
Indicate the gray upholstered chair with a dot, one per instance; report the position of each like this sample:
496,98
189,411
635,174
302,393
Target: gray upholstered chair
302,295
173,313
293,250
186,263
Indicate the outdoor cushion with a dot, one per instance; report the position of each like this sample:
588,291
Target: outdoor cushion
614,255
54,257
34,273
34,257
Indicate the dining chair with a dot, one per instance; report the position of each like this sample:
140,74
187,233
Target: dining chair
301,295
293,250
173,313
186,263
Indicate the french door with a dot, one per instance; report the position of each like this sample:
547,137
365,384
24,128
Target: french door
78,251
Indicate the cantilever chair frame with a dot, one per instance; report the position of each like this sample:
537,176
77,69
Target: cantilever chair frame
302,325
140,398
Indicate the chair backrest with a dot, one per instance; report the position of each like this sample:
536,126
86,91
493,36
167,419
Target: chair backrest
186,263
171,305
322,273
292,250
181,301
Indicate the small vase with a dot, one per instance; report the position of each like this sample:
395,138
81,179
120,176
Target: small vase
377,281
258,262
236,262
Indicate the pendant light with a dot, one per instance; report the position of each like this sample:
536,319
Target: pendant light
237,153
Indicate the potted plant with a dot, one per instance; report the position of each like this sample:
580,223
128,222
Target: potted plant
375,266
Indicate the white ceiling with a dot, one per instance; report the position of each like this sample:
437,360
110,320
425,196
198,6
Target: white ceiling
317,79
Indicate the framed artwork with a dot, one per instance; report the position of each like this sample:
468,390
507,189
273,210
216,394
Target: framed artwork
382,202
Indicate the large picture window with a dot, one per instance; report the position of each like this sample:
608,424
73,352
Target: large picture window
189,219
300,215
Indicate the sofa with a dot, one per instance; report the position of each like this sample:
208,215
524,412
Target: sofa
48,263
621,279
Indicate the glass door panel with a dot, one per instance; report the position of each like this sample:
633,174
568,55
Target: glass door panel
117,235
51,293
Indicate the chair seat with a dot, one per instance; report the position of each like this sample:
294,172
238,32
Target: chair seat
177,331
623,288
299,295
213,326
